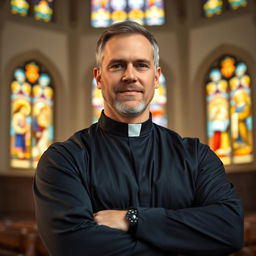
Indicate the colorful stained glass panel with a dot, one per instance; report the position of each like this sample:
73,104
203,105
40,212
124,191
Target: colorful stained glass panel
97,101
135,11
218,115
31,129
20,128
158,104
43,10
20,7
154,12
235,4
100,13
42,116
229,111
212,7
118,10
241,115
106,12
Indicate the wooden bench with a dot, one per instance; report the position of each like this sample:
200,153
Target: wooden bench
17,242
20,238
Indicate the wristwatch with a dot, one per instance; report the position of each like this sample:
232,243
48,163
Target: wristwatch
132,217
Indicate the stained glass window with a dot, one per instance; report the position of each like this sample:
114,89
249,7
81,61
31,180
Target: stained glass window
229,111
31,129
20,7
216,7
40,9
106,12
157,107
212,7
235,4
43,10
97,101
158,104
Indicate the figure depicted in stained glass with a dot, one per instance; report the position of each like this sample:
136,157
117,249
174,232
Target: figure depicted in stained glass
136,10
230,111
21,127
100,13
218,115
42,116
235,4
43,10
212,7
154,13
118,10
241,113
20,7
32,115
20,121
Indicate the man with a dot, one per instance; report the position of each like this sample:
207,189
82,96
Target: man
126,186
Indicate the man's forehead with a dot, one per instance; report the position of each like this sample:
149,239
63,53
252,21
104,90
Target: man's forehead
120,46
123,39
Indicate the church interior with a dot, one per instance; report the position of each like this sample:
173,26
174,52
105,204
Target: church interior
47,91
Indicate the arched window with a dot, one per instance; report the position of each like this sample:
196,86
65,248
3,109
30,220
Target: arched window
39,9
31,127
229,110
106,12
216,7
157,107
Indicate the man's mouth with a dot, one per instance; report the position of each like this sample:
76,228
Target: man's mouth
130,90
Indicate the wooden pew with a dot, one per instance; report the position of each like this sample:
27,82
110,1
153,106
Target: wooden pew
26,233
17,242
249,248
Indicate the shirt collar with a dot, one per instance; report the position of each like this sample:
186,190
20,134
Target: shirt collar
123,129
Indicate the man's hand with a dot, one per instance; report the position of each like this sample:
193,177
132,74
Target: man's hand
112,218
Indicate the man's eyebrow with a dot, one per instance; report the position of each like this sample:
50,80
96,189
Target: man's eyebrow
123,60
142,60
117,60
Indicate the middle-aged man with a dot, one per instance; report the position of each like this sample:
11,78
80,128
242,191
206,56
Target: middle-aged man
126,186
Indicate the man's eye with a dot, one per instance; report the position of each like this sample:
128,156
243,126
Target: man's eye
116,66
142,66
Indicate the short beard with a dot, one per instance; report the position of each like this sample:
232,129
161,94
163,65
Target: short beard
130,111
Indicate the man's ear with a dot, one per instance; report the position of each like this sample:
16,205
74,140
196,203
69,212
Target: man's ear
157,76
97,76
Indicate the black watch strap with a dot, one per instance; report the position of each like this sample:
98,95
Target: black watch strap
132,217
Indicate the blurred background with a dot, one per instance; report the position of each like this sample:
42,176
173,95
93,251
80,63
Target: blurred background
47,92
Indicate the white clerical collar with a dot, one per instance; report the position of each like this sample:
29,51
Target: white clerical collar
134,130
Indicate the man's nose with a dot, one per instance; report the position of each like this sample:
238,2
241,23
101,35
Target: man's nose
129,74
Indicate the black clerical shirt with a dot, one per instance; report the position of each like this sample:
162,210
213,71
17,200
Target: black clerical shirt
185,203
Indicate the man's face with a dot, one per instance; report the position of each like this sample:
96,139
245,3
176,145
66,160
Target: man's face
127,77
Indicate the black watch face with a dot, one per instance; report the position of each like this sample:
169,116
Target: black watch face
132,216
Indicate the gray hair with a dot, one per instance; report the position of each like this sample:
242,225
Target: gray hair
126,27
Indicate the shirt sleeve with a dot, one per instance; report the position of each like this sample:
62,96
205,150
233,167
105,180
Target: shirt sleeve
212,226
65,217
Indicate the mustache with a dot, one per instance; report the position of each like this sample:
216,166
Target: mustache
129,87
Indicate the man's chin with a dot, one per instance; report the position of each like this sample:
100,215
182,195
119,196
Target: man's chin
128,110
